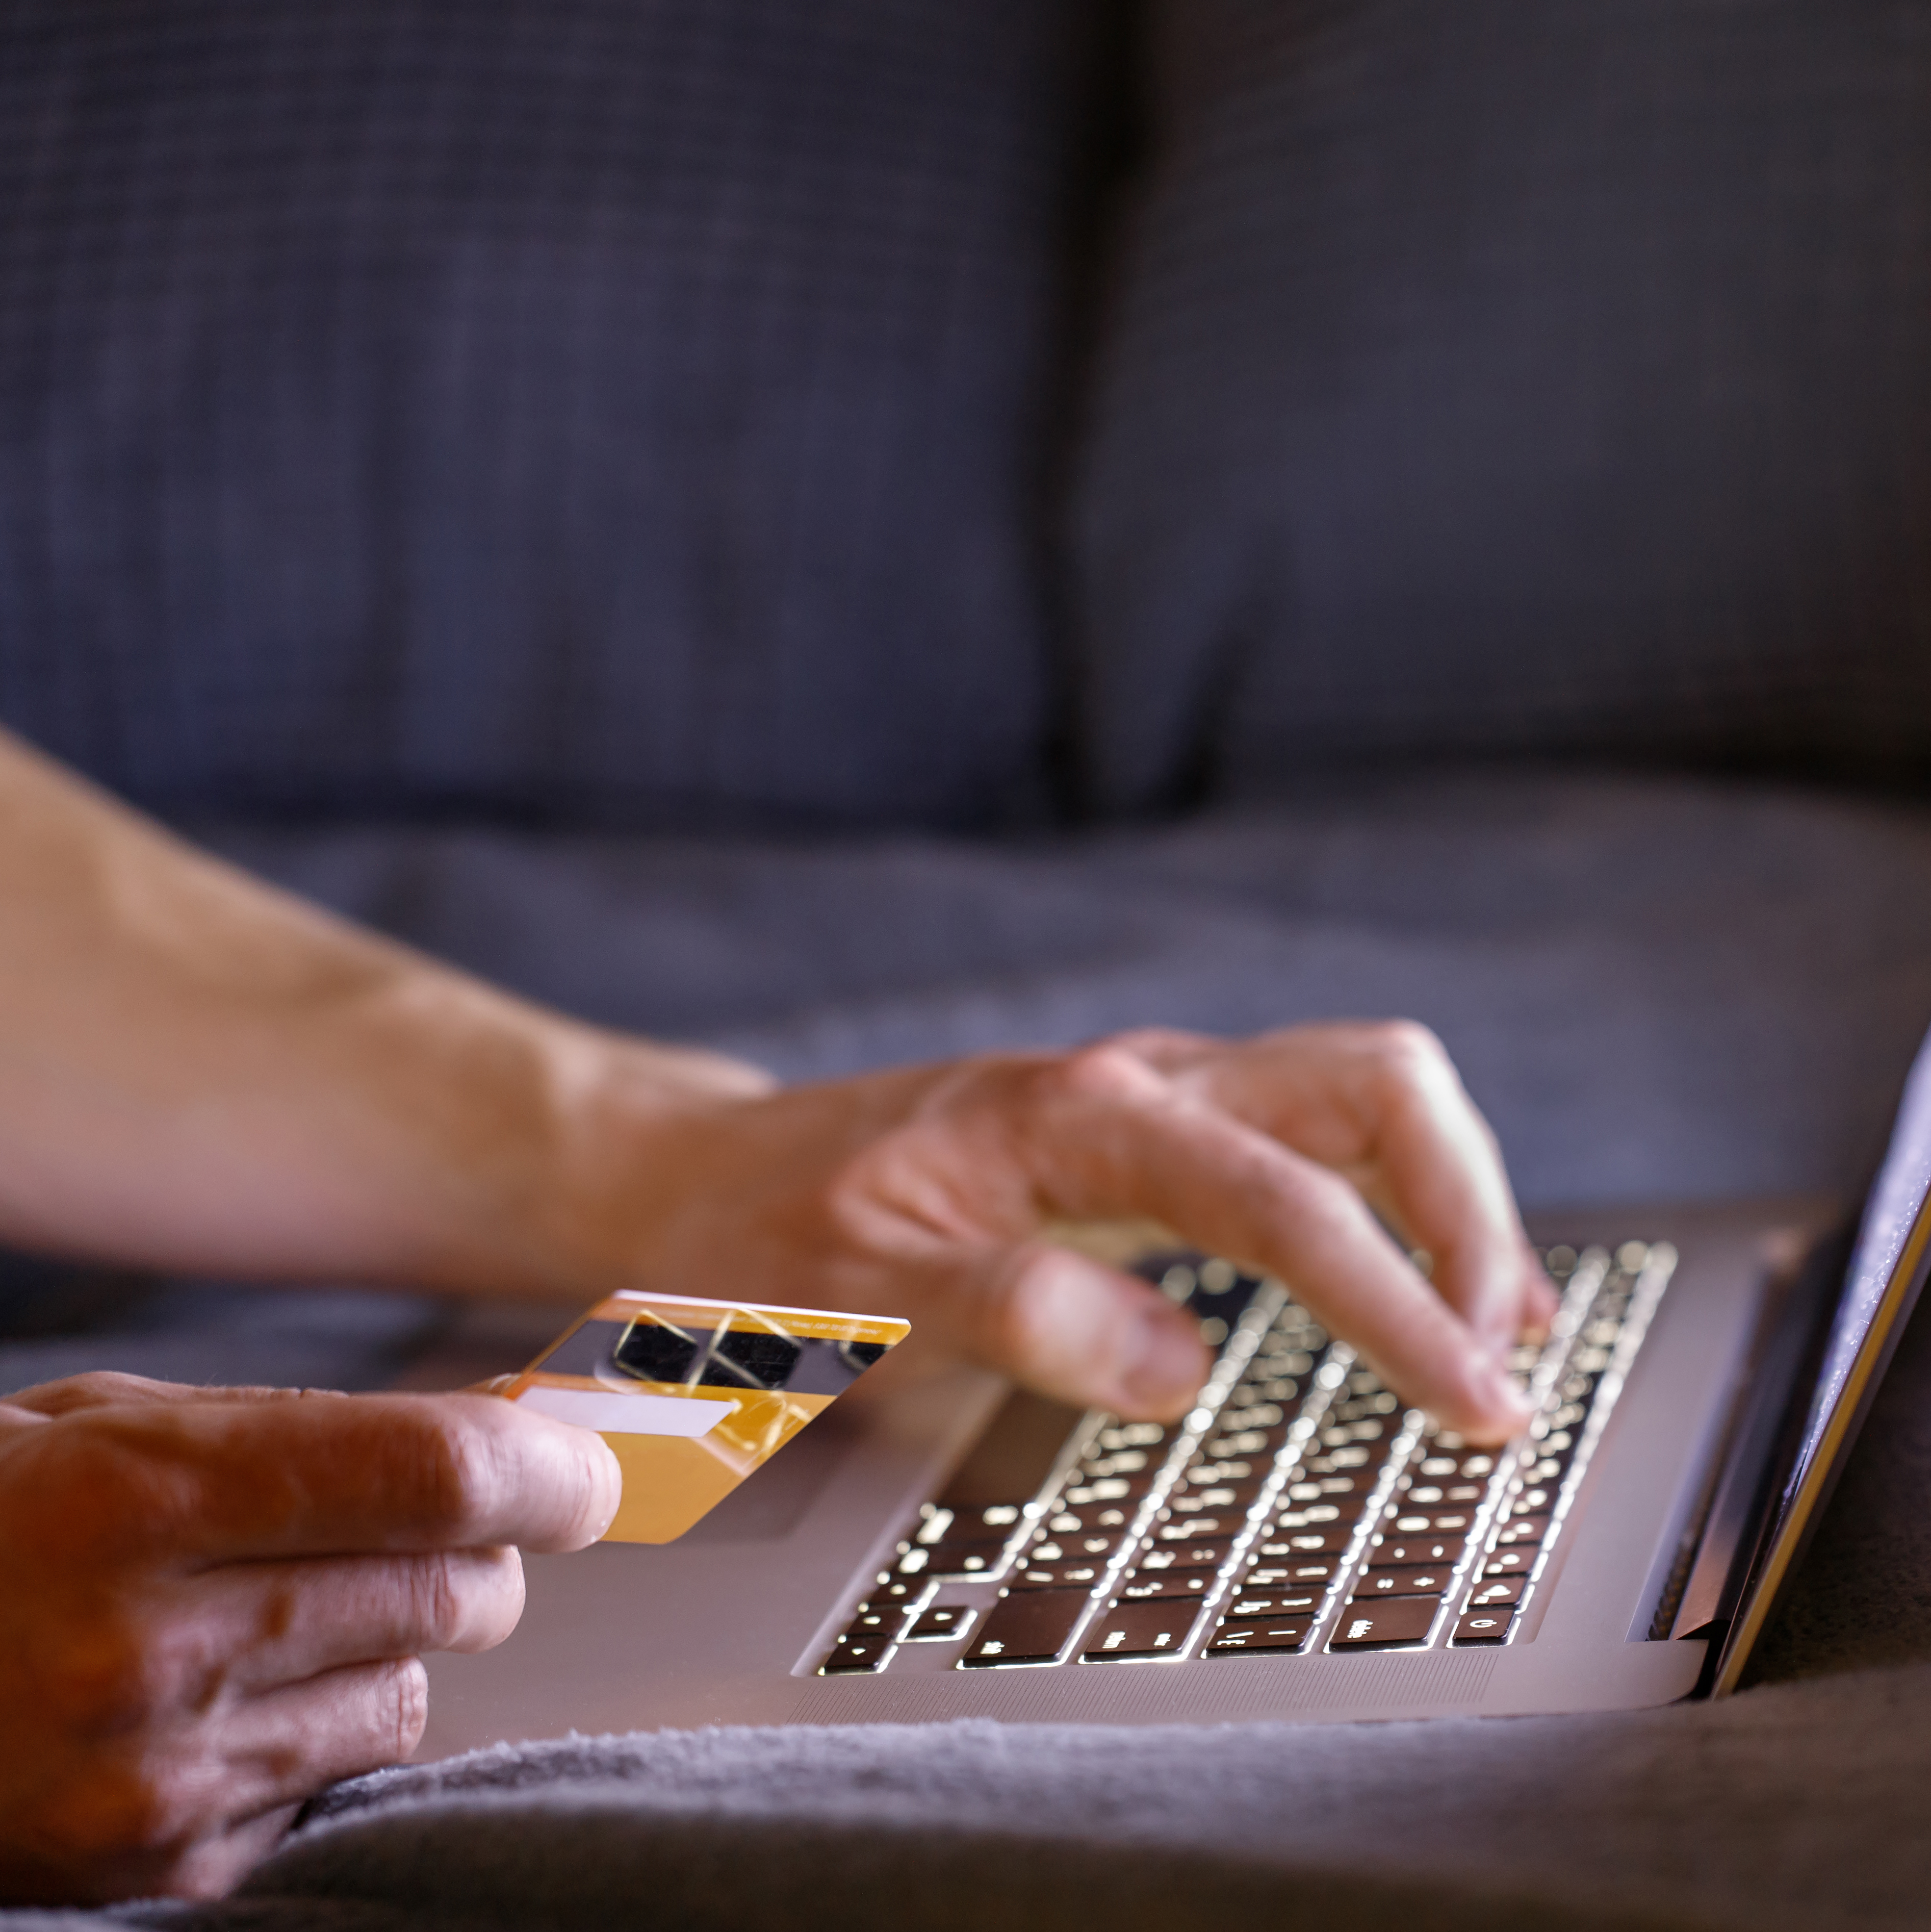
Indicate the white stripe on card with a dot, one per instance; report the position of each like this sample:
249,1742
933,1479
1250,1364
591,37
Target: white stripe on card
637,1414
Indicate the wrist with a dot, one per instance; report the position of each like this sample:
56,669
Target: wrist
620,1115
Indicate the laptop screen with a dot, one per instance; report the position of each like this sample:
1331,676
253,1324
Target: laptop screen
1887,1269
1891,1214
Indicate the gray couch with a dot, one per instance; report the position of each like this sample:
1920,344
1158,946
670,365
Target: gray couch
879,529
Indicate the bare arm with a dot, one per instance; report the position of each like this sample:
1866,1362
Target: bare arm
200,1072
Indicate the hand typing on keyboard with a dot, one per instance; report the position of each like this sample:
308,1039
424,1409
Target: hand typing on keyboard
931,1192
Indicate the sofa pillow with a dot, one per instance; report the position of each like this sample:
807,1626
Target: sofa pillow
622,411
1538,377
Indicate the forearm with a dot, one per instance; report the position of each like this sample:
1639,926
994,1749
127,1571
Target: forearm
199,1073
202,1073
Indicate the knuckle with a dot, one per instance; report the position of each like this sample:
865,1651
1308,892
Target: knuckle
95,1388
877,1174
1154,1043
436,1608
402,1709
459,1456
1027,1311
1009,1313
278,1612
475,1605
1103,1070
140,1808
1408,1046
106,1673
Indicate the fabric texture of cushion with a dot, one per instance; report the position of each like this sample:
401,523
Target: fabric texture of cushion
613,411
1521,377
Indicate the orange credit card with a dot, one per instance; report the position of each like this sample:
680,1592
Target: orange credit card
693,1396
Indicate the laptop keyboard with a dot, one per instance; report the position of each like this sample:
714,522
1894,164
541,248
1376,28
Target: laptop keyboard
1299,1507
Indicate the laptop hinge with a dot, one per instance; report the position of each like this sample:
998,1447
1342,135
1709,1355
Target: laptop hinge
1765,1429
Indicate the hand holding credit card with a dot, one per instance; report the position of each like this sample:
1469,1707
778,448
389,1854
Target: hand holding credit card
693,1396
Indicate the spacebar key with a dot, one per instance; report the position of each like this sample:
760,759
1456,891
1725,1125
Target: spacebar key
1029,1627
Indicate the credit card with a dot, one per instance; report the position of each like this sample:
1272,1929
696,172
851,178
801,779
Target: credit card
693,1396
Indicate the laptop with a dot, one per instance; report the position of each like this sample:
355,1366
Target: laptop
1301,1547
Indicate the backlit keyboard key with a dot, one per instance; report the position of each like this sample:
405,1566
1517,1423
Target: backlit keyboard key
1431,1522
882,1620
1270,1573
943,1623
1315,1516
1050,1549
1276,1602
1328,1541
1510,1563
1363,1457
1237,1417
1028,1627
1095,1519
966,1526
1424,1580
855,1656
1245,1442
1480,1626
1139,1630
1375,1626
1123,1436
1237,1498
1151,1585
1189,1529
1123,1491
1522,1529
1312,1483
1236,1469
1278,1635
1207,1554
951,1559
1447,1549
1498,1590
1056,1576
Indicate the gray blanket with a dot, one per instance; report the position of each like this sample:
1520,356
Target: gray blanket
1655,989
1792,1807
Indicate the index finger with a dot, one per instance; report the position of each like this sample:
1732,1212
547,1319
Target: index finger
1117,1139
328,1474
1383,1102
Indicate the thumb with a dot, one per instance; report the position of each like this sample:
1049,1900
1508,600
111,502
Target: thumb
1072,1328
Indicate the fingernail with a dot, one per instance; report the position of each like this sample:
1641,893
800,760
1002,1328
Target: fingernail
1499,1390
1496,1331
610,1480
1160,1363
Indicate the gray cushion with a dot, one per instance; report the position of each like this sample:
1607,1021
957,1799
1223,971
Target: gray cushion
1535,376
623,411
